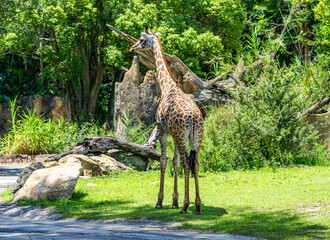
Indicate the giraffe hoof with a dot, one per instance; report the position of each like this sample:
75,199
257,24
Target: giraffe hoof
159,206
198,210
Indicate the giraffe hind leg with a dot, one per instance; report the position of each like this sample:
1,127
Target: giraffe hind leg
197,199
192,162
176,164
194,166
184,156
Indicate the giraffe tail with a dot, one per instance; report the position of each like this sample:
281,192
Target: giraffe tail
192,161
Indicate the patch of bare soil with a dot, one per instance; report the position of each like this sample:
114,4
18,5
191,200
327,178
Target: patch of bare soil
314,210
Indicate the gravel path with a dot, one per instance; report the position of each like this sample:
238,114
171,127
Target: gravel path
8,175
35,222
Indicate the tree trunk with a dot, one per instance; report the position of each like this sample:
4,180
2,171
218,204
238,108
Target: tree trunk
115,75
75,108
93,73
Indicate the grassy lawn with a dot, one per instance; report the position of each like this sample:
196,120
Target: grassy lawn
287,203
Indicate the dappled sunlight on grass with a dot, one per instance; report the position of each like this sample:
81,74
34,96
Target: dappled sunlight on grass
286,203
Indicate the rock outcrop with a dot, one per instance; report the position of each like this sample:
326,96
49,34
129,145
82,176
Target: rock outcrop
110,163
86,163
138,162
98,165
136,99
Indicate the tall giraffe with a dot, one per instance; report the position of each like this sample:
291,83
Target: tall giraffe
179,116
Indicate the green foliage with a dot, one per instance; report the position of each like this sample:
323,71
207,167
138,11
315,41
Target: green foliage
185,27
186,32
103,102
261,128
284,25
322,14
33,135
195,49
312,79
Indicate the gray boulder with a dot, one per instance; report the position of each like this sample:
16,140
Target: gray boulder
51,183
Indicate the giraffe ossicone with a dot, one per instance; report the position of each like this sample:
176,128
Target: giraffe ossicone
179,116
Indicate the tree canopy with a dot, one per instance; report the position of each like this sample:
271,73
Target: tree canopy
63,46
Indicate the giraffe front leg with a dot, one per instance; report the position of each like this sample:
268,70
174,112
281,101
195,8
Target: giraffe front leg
163,163
176,164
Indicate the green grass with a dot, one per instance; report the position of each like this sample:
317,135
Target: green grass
286,203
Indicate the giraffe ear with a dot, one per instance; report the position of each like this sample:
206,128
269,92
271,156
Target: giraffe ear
157,34
145,36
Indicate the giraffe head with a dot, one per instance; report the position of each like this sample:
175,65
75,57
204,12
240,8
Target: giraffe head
145,42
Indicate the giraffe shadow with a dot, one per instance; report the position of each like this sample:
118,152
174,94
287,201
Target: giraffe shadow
168,213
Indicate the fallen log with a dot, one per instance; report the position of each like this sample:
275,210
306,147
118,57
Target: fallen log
104,144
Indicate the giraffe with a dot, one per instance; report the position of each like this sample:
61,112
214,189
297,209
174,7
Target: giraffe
179,116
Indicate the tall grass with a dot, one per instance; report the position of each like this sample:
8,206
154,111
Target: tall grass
34,134
138,134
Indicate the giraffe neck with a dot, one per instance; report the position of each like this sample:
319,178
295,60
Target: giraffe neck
166,79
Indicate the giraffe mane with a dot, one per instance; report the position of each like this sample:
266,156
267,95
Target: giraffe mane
171,74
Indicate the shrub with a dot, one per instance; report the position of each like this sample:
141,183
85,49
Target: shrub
261,129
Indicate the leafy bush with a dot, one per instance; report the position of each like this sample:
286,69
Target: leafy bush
261,129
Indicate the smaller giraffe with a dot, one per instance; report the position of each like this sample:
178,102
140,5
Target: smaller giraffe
179,116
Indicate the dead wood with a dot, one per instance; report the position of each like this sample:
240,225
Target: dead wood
189,81
315,107
204,92
104,144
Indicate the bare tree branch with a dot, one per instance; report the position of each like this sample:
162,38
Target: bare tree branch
315,107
